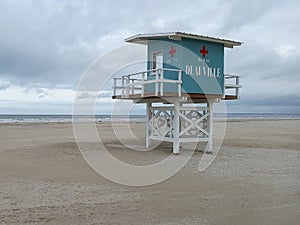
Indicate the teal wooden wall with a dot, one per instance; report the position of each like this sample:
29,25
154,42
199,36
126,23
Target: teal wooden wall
201,75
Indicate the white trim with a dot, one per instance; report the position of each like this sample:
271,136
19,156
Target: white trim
178,124
210,128
176,131
148,132
144,38
152,54
137,81
135,84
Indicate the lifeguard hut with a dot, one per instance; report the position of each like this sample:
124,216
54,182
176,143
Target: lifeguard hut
185,72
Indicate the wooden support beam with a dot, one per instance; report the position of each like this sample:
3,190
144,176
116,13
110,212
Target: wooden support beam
148,132
176,128
210,128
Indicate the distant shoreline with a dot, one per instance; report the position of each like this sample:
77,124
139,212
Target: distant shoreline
106,121
36,119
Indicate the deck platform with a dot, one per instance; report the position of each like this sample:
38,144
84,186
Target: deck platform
167,97
133,87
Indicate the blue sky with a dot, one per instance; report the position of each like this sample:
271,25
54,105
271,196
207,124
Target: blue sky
46,46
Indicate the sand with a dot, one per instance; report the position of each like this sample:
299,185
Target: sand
255,179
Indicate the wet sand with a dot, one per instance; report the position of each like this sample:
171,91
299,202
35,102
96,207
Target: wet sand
255,179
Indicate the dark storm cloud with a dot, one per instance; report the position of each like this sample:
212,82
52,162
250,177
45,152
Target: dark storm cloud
49,44
241,14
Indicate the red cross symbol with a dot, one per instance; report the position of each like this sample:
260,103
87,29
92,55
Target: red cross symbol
204,51
172,51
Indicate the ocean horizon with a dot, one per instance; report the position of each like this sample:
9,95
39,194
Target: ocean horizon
47,118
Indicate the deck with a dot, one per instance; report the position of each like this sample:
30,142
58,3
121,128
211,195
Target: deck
196,98
132,87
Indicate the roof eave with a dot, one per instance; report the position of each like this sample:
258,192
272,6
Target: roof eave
227,43
144,38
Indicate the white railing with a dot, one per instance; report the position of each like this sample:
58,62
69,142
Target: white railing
135,83
232,82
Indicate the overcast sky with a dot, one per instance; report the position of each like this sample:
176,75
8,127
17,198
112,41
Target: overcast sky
45,46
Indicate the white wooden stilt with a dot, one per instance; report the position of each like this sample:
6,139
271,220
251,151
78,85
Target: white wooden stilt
148,132
179,124
210,127
176,128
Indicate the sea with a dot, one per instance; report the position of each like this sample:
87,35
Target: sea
19,118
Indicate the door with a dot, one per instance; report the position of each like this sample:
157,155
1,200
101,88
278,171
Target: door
157,60
156,63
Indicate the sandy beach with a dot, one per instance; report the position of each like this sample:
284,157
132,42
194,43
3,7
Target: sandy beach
255,179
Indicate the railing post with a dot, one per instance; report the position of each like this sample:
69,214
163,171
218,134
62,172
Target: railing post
156,82
115,86
161,82
122,87
127,86
179,82
237,90
143,85
132,87
224,87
